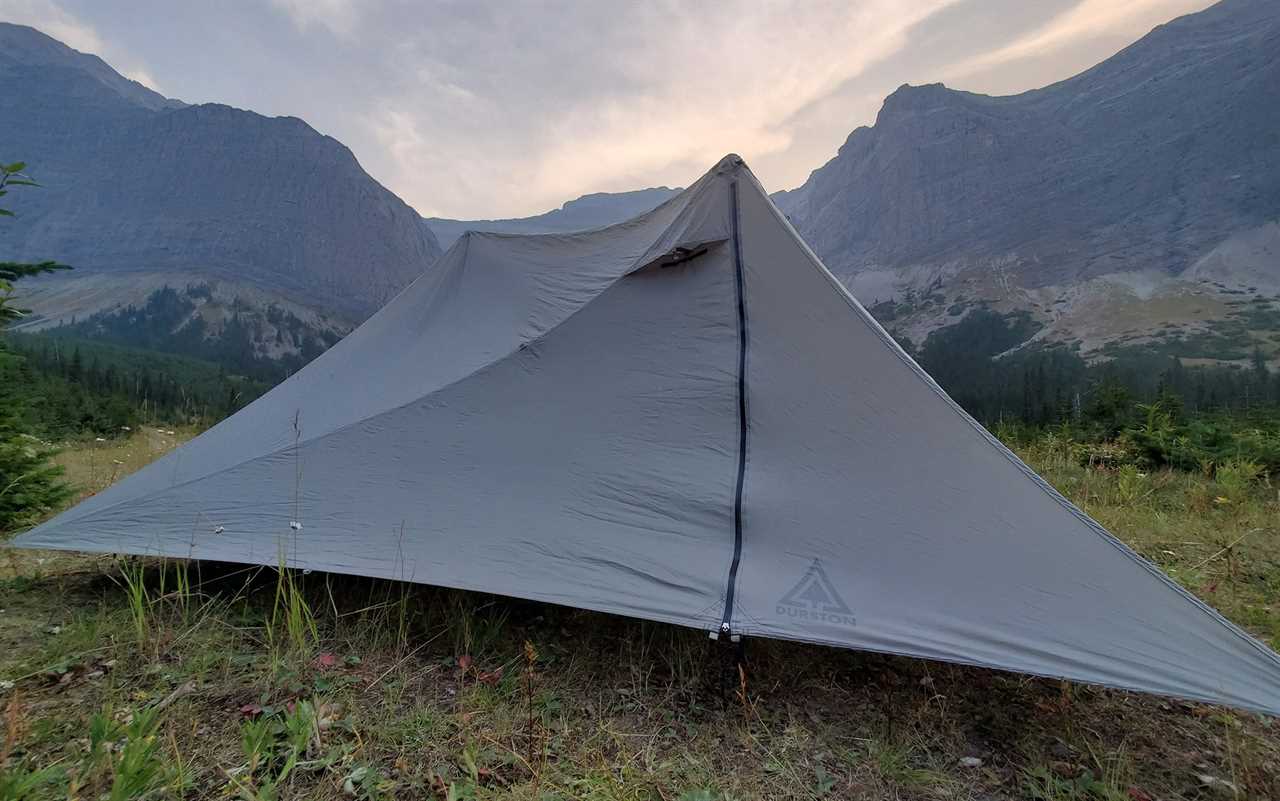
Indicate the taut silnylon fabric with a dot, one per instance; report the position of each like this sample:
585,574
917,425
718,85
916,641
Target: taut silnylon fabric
556,417
880,516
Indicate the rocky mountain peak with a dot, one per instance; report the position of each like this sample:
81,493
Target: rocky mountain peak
1113,183
22,46
152,192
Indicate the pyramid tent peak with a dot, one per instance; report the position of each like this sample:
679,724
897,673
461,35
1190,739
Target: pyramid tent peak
731,162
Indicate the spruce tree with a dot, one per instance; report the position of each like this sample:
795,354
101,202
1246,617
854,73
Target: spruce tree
30,484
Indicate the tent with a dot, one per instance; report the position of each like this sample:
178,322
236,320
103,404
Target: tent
683,418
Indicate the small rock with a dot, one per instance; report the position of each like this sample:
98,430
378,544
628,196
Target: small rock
970,762
1222,785
94,674
329,714
5,685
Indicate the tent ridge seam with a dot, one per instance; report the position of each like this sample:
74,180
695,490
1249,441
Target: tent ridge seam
1079,514
726,622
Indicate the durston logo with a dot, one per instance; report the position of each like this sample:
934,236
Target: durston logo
814,598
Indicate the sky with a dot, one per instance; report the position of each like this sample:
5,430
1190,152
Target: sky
475,109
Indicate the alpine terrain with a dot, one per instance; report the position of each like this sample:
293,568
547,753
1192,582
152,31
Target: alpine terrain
256,226
1134,204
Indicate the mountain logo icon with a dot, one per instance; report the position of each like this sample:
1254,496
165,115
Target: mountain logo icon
815,598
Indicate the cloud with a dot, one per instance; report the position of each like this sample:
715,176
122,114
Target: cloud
339,16
510,107
521,109
143,77
1088,19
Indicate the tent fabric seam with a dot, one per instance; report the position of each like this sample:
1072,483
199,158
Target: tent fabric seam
1096,527
726,623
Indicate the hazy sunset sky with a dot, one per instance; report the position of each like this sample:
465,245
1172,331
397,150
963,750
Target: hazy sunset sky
470,109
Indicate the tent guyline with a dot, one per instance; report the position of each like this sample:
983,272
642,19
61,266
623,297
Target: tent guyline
568,418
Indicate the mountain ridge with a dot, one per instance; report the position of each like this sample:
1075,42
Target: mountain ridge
27,46
1107,187
592,210
265,209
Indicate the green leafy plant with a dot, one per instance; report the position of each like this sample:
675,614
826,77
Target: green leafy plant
1236,476
12,175
19,784
133,580
103,732
367,784
1042,784
30,483
275,746
292,629
140,767
824,782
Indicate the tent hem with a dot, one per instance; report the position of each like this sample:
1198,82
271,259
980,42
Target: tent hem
1203,699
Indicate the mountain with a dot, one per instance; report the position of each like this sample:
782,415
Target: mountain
140,192
1135,203
589,211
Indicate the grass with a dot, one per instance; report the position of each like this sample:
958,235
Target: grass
142,679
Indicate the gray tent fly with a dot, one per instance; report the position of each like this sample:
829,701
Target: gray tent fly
685,418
